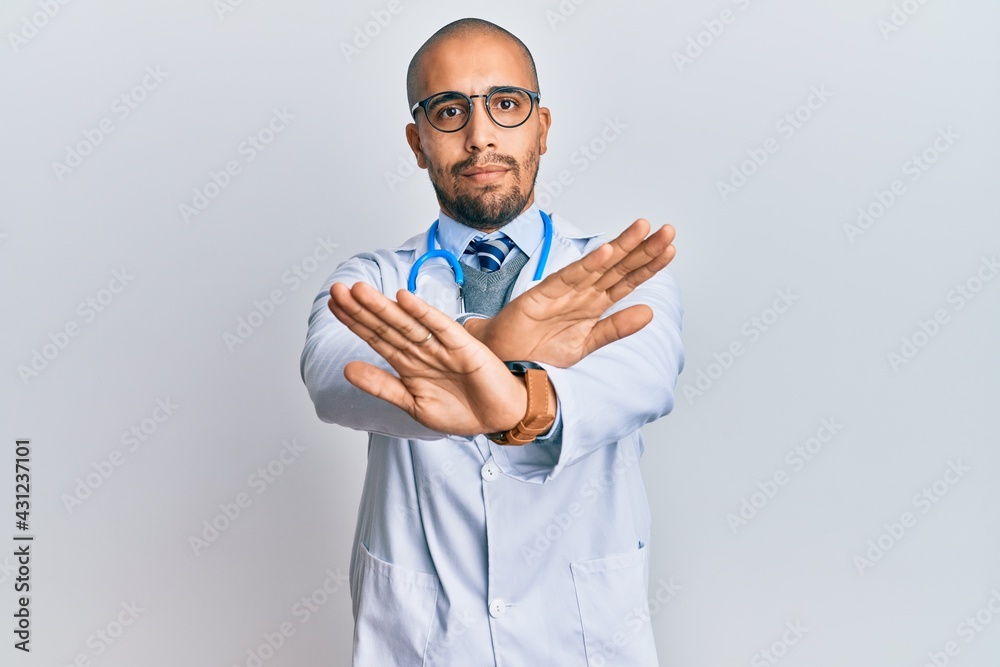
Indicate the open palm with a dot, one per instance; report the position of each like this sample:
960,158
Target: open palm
559,320
451,383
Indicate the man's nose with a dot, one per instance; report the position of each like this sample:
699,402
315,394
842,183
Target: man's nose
481,131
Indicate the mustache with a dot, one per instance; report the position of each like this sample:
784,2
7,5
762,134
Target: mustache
485,161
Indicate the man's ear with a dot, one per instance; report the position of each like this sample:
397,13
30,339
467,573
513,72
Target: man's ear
413,138
544,122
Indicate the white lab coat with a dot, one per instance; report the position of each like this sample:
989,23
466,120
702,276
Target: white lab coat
471,553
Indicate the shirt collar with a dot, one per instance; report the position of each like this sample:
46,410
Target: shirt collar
526,230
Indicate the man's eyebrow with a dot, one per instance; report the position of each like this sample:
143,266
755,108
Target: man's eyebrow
505,85
449,95
445,97
488,90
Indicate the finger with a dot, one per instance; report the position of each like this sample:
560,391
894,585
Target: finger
644,262
335,308
649,251
618,325
628,240
589,269
630,237
384,316
379,382
625,286
621,246
340,313
341,304
346,308
446,331
655,253
352,314
577,275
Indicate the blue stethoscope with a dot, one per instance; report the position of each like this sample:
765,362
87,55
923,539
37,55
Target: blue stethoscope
456,266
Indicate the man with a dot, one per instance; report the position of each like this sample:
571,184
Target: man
472,548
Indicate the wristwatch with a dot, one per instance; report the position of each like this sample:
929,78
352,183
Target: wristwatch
540,413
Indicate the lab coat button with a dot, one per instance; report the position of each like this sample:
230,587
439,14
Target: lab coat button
498,608
489,471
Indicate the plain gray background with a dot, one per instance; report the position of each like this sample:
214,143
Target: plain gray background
336,174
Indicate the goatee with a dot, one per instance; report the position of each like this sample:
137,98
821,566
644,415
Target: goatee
494,207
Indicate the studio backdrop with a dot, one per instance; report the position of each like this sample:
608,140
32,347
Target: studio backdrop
177,180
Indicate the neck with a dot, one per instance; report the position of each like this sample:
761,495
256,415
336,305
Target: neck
481,225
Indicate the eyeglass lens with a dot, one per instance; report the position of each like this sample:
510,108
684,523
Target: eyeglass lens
507,107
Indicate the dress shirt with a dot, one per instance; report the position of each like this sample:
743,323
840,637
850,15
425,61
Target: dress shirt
522,230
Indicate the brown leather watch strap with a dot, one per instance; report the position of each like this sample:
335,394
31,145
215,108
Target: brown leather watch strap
539,414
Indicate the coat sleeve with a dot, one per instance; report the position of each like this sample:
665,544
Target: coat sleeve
613,391
330,345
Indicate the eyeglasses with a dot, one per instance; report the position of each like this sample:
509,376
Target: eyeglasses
450,111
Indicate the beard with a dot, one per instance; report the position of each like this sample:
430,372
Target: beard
494,205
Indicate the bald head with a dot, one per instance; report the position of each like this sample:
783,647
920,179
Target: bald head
470,29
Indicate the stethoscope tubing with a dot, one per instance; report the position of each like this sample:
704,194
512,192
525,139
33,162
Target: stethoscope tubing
456,266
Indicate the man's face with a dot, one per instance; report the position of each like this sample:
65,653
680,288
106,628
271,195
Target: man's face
484,174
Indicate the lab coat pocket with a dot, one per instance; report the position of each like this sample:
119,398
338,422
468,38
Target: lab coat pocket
614,611
395,609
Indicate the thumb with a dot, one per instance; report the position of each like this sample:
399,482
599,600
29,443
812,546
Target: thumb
380,383
617,326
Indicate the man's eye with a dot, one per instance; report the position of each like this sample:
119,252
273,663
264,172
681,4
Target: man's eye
505,103
449,112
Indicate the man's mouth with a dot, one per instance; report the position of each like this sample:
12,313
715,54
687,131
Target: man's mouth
486,174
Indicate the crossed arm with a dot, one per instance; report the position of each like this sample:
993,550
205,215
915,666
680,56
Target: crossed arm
456,381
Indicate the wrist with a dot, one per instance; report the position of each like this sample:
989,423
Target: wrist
519,406
474,324
538,408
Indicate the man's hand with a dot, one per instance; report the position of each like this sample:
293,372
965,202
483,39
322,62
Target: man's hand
451,383
558,320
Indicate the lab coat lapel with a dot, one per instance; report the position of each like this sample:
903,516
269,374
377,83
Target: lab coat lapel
563,251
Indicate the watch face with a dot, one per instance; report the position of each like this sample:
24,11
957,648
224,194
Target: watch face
521,367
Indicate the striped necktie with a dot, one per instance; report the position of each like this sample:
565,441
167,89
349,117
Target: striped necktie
491,250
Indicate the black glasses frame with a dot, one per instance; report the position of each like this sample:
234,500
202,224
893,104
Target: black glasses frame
533,95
